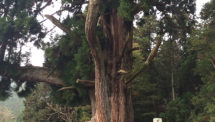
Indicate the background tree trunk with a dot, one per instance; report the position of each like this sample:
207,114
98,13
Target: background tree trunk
3,50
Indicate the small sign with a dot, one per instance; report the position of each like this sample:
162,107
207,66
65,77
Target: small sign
157,120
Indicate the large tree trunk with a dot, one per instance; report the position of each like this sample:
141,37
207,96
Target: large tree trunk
113,95
111,101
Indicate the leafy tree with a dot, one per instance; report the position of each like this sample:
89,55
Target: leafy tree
173,66
106,68
72,60
18,27
203,43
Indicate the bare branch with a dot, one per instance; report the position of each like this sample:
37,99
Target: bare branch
64,112
39,6
131,76
30,74
39,74
87,83
212,62
153,52
67,88
58,24
46,5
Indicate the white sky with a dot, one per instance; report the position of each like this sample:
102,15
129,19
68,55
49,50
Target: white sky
37,56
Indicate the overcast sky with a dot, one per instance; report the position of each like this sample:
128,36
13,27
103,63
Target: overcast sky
37,56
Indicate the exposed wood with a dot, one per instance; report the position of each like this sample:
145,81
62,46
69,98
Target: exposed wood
64,112
172,84
86,83
212,62
131,76
58,24
66,88
154,51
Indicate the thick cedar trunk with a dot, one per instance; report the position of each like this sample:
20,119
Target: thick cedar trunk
113,96
120,93
111,101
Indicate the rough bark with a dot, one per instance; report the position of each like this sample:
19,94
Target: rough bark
101,83
113,96
91,93
111,101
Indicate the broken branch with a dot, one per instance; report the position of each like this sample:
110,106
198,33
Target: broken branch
131,76
87,83
58,24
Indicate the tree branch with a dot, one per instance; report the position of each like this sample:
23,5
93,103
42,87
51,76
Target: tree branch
66,88
58,24
153,52
86,83
39,74
30,74
46,5
212,62
131,76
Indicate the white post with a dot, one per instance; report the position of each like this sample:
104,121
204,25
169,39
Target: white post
157,120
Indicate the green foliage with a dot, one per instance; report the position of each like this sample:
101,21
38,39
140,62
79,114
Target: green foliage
35,106
203,43
38,108
175,56
125,9
207,12
83,113
191,64
146,99
71,57
178,110
18,25
5,89
204,103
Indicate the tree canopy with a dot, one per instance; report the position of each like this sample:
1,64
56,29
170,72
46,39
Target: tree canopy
130,60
